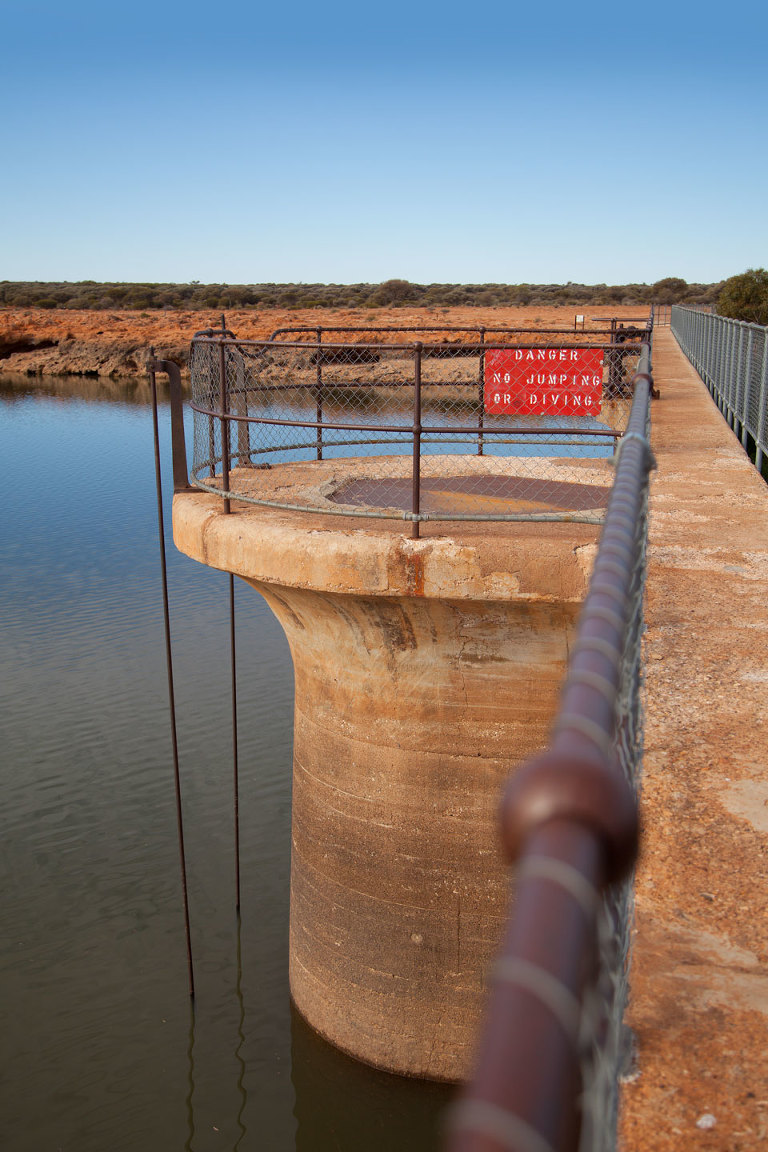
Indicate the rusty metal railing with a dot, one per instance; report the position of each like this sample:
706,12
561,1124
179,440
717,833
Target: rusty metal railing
412,422
569,822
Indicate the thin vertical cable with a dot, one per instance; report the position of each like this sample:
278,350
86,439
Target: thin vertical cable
232,644
171,694
240,1042
235,767
190,1097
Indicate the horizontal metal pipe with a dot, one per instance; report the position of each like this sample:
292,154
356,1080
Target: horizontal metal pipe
529,1088
178,445
570,823
385,514
464,348
428,429
437,328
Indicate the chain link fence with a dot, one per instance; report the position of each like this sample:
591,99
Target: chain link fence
569,824
415,424
732,359
608,1055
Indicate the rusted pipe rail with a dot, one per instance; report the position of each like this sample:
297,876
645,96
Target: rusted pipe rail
253,390
312,329
569,824
178,446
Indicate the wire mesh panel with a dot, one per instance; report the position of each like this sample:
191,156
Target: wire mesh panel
608,1054
754,380
569,823
732,359
552,1050
414,430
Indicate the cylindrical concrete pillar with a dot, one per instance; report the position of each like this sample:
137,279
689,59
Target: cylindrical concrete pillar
424,671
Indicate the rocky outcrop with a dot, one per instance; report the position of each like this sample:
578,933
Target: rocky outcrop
112,358
61,342
14,342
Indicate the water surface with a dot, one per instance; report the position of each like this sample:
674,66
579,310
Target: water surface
101,1048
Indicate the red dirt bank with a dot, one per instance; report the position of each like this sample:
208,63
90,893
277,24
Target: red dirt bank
60,342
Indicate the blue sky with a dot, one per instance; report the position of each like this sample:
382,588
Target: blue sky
347,142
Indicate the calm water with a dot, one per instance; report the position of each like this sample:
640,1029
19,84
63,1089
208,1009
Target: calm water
101,1049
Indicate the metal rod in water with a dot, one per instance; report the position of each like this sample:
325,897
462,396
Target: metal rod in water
416,484
235,769
232,647
171,694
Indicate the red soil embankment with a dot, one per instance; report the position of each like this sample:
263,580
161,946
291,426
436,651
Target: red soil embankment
64,342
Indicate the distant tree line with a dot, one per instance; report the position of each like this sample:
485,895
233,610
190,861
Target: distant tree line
91,294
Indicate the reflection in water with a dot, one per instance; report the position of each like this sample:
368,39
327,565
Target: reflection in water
98,1045
189,1144
240,1038
133,390
342,1105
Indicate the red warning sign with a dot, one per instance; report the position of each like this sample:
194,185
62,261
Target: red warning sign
543,381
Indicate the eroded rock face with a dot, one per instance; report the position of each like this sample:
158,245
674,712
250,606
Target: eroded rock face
15,343
81,358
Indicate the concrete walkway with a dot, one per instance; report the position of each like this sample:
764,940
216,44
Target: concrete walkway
700,968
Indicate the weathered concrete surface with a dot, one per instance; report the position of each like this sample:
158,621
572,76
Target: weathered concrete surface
700,968
424,670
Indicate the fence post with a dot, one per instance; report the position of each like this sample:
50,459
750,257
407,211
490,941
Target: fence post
416,489
224,425
727,355
727,358
481,397
211,420
762,428
698,335
614,361
747,388
709,344
733,385
738,382
319,399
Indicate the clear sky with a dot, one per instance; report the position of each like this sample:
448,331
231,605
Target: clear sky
343,142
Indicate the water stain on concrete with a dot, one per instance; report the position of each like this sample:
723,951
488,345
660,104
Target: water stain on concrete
748,799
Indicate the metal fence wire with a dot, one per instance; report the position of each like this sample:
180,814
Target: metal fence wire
554,1047
414,424
607,1055
732,359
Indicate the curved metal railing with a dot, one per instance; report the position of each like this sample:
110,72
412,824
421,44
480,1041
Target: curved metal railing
455,429
550,1052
